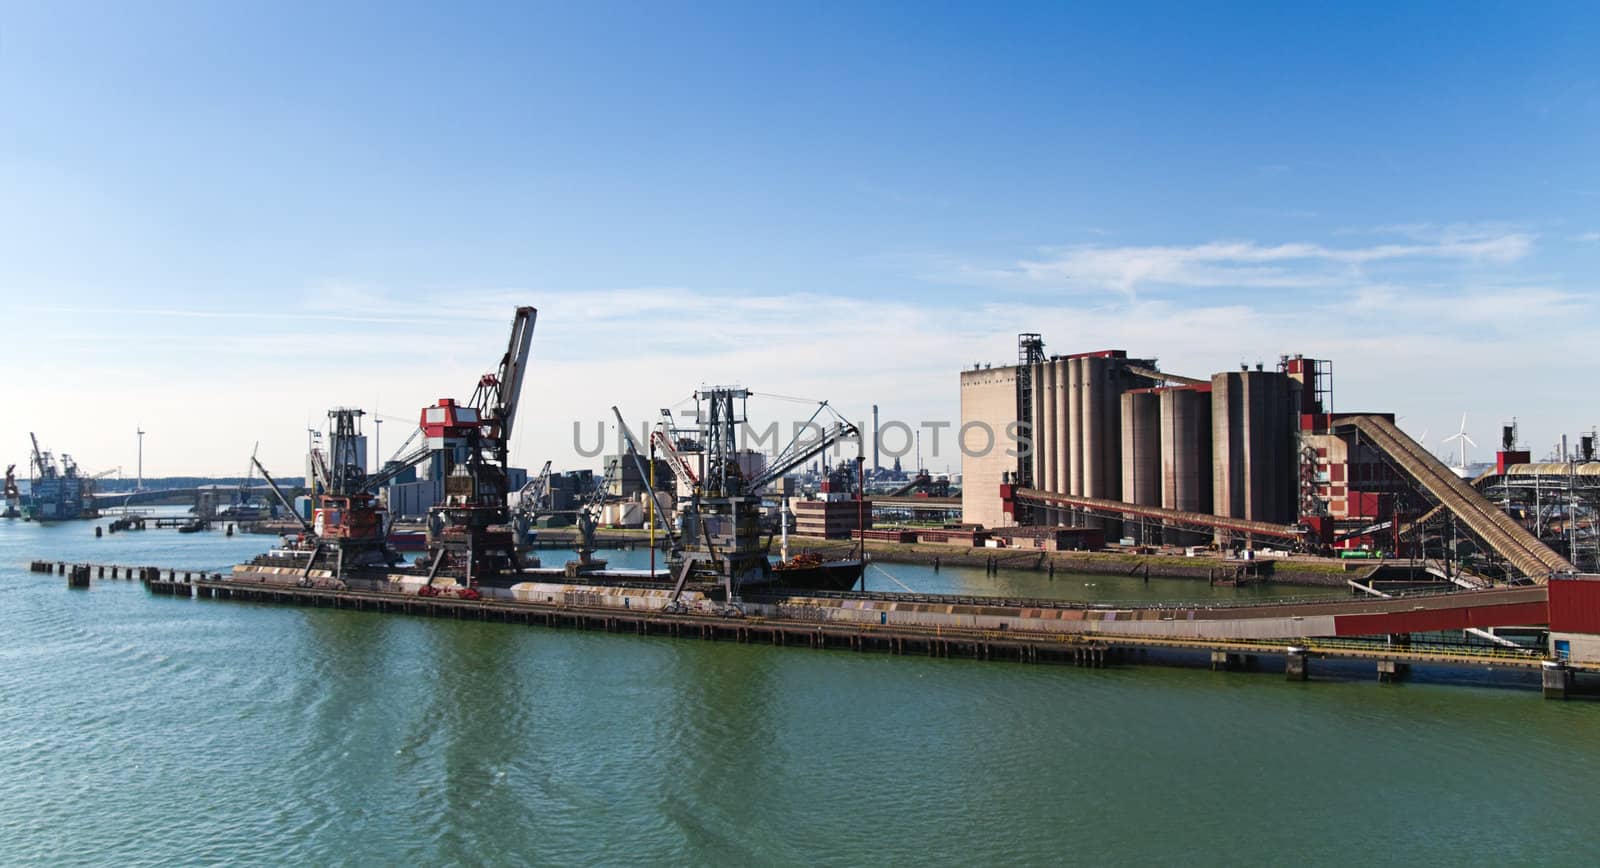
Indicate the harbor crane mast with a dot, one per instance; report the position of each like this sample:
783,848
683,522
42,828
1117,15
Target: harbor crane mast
532,500
468,537
587,516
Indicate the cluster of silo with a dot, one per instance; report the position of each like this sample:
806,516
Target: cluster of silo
1077,425
1104,426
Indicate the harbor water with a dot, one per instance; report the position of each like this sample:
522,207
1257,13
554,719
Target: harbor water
144,730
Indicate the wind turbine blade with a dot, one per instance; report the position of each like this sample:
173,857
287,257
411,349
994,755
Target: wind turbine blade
1469,440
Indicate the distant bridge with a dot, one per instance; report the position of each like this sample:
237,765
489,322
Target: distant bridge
219,494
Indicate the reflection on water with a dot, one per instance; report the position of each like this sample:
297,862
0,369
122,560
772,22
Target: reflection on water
1038,584
141,730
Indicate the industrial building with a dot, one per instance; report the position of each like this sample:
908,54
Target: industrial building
1244,458
1104,426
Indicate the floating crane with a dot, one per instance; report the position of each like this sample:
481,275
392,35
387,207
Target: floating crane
349,523
58,493
721,520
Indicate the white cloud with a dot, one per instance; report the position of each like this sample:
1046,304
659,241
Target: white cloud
1428,350
1248,264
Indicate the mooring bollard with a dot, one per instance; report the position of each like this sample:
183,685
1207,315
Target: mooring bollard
97,531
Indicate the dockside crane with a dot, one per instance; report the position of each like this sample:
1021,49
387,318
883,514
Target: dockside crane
348,521
588,516
475,439
721,521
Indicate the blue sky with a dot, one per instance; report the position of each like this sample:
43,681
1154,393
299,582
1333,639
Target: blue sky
217,220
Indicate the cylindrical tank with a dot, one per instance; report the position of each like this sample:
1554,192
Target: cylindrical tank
1253,431
1186,472
1094,369
1045,435
1141,448
1036,420
1111,430
1226,438
1063,427
1186,450
1075,426
1141,455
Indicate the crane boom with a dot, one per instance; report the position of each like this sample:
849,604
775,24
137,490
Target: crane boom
38,456
281,498
633,449
395,467
499,393
799,452
534,491
675,459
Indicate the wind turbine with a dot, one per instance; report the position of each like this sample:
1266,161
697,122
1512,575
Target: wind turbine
1462,436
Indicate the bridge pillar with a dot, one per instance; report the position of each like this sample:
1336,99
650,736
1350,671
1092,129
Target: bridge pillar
1557,680
1390,671
1294,665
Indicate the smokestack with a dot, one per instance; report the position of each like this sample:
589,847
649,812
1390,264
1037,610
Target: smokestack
875,465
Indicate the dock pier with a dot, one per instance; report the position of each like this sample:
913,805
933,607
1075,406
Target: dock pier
1391,661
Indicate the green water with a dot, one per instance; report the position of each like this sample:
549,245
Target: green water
141,730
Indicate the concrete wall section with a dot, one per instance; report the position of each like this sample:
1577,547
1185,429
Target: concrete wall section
988,396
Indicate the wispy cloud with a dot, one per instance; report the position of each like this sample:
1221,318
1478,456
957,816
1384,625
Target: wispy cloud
1250,264
1592,237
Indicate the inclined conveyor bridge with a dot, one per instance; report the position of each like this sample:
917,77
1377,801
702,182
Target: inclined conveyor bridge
1511,541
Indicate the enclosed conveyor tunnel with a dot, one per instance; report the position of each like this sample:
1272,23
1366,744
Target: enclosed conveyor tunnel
1521,549
1177,518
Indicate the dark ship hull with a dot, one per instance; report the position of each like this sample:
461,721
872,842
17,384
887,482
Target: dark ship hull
825,576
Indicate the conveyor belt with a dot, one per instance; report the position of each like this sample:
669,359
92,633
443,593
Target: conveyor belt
1197,519
1510,540
1165,376
1410,528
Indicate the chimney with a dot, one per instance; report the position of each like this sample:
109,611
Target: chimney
875,465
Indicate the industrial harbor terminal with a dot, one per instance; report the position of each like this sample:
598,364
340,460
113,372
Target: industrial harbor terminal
533,435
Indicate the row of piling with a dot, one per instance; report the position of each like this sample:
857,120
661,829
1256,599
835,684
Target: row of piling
78,575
